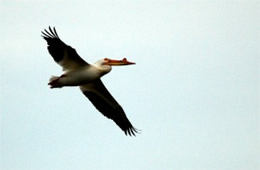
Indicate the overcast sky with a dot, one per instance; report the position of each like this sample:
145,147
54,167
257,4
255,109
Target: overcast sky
194,91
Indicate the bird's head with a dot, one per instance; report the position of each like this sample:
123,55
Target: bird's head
106,64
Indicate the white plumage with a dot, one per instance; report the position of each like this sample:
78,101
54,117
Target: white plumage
77,72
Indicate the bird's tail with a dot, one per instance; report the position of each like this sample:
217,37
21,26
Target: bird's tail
54,82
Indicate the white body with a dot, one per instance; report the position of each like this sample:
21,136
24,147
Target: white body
80,76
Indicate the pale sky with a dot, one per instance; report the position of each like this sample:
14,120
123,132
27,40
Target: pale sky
194,91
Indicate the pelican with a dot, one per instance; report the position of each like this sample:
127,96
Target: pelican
77,72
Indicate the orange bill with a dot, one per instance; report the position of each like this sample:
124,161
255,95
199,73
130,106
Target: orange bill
118,62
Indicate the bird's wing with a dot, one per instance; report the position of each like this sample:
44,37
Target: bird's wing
97,93
63,54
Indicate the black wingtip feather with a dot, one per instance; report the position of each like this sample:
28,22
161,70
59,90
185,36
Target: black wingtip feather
55,32
51,33
45,35
132,131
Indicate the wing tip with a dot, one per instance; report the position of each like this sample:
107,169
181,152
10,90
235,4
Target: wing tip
132,131
51,33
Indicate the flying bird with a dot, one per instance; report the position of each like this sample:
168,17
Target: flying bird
77,72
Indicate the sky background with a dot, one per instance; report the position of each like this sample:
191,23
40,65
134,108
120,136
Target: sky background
194,91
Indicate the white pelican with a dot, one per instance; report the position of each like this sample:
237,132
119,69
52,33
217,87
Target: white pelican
78,72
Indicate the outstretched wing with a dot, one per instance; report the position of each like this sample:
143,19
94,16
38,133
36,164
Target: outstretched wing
97,93
63,54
